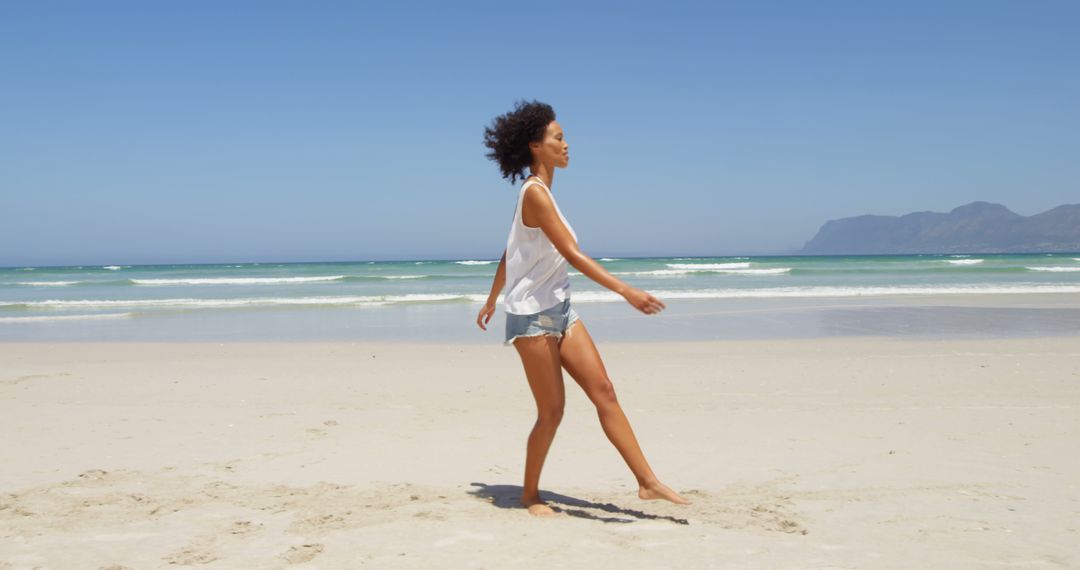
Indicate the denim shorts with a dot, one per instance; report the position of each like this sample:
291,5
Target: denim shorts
554,321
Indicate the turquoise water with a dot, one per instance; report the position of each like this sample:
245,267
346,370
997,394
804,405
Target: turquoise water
369,291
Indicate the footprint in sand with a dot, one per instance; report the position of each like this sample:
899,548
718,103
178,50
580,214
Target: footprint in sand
320,431
302,553
243,527
195,553
322,523
748,508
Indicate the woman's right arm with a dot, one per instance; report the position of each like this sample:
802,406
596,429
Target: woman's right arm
497,285
540,205
499,282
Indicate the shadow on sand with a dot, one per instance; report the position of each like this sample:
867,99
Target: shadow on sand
507,497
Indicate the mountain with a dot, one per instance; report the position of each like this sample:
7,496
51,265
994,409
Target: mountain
978,227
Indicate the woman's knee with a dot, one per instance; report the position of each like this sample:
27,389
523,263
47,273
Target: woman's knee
604,394
550,415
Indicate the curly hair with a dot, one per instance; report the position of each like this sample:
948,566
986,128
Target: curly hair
509,136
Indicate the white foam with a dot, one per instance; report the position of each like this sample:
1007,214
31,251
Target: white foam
769,271
1054,269
1076,259
44,283
249,301
963,261
703,266
41,319
27,268
402,276
579,296
115,267
237,280
676,272
812,292
609,259
473,262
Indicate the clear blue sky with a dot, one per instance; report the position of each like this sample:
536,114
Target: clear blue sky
170,132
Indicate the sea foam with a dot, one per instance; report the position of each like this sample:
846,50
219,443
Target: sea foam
812,292
679,272
358,300
237,280
1054,269
703,266
45,319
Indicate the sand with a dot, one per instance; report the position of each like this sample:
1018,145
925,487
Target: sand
814,453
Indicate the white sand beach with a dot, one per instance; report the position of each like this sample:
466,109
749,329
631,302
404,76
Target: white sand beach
813,453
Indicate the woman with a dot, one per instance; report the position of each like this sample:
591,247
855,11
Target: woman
540,324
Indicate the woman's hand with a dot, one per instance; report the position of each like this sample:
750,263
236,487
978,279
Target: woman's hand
643,301
485,315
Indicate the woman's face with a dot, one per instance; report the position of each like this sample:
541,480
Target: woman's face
552,149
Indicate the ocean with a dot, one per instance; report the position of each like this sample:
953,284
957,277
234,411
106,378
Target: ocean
430,300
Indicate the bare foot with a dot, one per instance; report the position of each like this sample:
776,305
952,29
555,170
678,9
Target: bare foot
537,507
659,490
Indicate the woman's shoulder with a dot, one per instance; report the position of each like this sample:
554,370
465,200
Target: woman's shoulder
533,181
534,188
537,203
538,194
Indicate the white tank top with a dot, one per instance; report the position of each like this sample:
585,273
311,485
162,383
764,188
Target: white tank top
536,274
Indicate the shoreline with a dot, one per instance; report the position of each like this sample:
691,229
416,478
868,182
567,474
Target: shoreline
941,316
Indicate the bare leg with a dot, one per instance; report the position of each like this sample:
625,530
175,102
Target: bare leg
540,357
581,359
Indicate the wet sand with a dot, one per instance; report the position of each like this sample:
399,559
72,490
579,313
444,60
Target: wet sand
957,316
